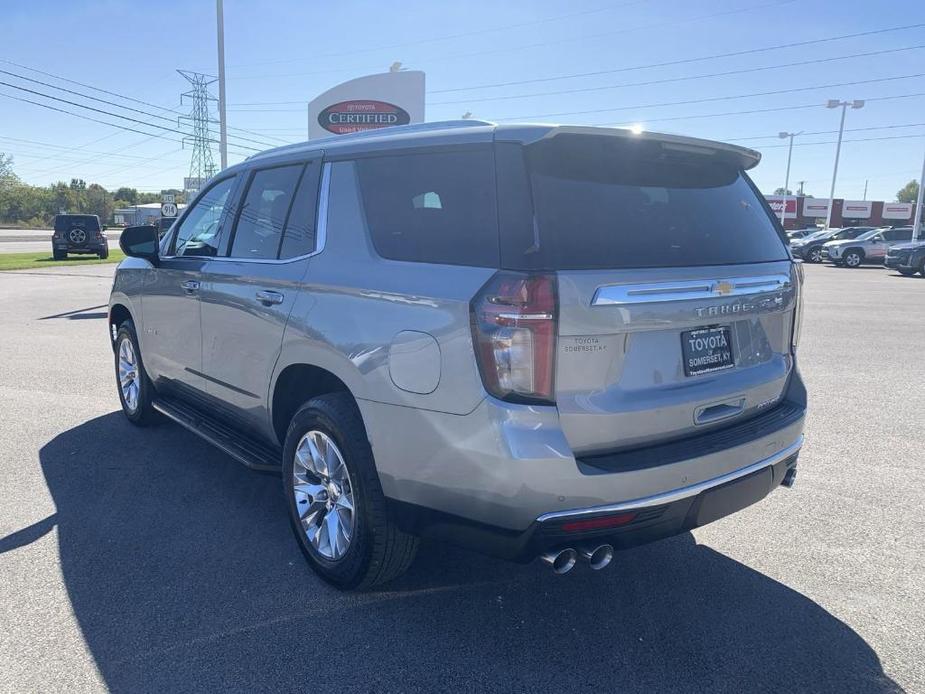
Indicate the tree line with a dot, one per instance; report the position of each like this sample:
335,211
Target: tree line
27,205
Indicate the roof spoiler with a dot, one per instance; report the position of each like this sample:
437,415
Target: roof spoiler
741,157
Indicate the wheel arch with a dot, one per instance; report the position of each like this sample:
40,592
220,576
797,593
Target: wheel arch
295,385
856,249
118,314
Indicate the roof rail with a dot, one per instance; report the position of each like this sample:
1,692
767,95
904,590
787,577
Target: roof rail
378,132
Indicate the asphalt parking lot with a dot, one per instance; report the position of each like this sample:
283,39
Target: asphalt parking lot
145,560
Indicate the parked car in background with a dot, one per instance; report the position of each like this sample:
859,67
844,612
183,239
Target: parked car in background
870,247
78,233
907,258
809,248
530,340
801,233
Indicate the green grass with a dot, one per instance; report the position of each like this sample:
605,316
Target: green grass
34,261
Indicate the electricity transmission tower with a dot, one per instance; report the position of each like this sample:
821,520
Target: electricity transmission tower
202,166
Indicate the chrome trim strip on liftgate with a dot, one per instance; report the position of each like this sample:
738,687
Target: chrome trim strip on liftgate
619,294
677,494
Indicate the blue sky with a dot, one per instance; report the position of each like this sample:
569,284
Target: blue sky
280,54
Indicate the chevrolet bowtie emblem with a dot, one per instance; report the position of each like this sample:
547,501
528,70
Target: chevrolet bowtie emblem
723,288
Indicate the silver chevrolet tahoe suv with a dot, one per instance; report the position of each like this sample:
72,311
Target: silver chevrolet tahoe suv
529,340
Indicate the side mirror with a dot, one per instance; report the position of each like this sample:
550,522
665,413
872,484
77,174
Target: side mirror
140,242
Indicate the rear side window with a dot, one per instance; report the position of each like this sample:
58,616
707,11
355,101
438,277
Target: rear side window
605,202
259,228
437,207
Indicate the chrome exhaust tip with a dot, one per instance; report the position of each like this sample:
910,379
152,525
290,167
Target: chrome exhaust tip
597,557
790,477
561,560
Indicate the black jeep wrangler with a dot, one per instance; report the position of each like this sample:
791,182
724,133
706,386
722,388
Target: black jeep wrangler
78,233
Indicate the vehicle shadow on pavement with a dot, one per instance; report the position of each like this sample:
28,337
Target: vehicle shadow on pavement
183,575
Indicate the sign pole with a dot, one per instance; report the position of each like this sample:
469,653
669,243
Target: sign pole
917,212
223,131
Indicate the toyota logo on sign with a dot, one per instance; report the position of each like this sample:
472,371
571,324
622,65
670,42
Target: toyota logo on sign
357,115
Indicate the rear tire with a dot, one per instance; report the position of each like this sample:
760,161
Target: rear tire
814,255
59,255
103,254
853,259
922,267
136,397
905,271
376,550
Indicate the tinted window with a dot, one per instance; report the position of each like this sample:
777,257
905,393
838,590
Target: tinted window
90,222
200,231
299,234
432,208
263,214
899,235
603,202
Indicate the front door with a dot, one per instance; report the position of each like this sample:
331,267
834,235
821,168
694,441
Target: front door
171,341
248,294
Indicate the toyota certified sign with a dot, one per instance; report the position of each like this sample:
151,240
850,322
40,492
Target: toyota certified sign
361,114
368,103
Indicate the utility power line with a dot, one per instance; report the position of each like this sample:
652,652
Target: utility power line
107,113
827,132
116,105
448,37
683,61
97,120
541,44
111,93
686,78
710,99
772,109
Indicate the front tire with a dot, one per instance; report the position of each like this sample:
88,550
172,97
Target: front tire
905,271
814,255
853,259
337,510
135,390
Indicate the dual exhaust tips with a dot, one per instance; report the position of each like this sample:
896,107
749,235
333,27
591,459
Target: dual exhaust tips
563,560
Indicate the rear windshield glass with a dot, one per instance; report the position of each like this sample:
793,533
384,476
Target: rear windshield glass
90,222
603,202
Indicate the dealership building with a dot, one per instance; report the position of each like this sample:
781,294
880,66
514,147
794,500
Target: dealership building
801,212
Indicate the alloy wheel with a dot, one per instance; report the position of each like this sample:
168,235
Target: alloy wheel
129,378
852,260
816,255
323,494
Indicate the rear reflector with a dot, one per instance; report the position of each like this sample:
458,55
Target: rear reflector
598,523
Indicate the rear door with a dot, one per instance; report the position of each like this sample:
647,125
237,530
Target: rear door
675,291
247,293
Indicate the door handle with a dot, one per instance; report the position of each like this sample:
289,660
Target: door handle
267,298
190,286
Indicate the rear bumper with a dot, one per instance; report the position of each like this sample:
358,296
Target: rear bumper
507,471
85,248
646,520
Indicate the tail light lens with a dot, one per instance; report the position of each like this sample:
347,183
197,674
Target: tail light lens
798,306
514,325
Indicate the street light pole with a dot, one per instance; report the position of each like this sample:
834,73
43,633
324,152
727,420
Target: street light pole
918,212
223,131
835,103
784,135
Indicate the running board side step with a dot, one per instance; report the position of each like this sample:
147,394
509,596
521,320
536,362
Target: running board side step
253,454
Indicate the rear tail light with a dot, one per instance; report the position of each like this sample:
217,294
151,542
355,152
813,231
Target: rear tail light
798,306
514,326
